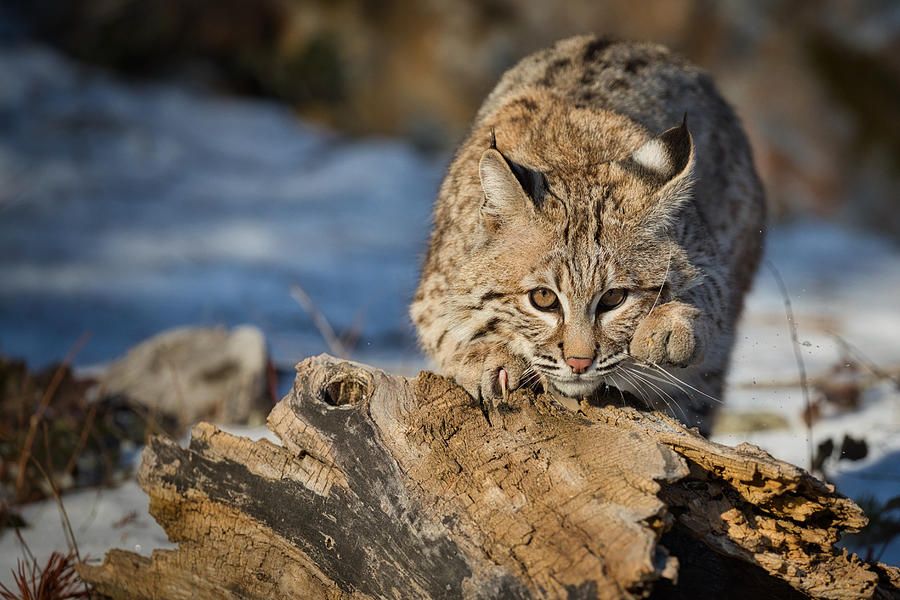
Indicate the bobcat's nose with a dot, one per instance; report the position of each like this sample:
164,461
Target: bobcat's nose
579,365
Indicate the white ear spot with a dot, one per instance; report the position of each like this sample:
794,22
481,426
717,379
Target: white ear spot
653,157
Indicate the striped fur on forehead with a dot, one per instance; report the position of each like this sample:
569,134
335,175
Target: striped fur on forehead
582,268
595,241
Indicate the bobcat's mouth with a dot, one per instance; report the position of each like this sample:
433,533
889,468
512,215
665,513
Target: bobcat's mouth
580,385
575,386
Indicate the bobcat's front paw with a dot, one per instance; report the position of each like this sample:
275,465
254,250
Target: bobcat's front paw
481,375
671,335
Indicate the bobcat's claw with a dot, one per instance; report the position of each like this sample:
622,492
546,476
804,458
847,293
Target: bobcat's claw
503,380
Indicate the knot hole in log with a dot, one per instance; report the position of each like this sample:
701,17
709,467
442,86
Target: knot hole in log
346,388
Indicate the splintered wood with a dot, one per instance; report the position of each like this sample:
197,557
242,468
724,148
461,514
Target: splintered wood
385,487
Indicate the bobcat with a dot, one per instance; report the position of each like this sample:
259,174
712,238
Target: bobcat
598,228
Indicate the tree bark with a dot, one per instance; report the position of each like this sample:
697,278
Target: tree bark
385,487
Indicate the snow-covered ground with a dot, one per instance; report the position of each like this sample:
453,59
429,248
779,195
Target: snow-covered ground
130,208
843,288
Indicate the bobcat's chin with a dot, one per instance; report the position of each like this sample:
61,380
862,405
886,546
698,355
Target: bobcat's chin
576,388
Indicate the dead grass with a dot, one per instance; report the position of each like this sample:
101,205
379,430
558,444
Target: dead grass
56,580
37,418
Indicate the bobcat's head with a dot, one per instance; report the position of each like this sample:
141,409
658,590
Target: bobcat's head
573,254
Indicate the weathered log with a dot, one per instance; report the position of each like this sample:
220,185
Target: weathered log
385,487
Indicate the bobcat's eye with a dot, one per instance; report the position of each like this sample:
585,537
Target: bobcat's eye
611,299
543,299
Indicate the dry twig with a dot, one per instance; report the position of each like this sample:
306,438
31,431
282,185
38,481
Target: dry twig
801,367
335,345
39,413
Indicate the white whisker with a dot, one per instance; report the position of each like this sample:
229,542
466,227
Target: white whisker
652,374
665,279
637,386
661,391
674,378
531,379
526,374
618,389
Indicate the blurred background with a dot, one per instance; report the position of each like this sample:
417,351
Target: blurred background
136,114
817,83
169,163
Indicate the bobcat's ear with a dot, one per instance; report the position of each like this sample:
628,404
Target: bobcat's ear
667,156
666,165
510,189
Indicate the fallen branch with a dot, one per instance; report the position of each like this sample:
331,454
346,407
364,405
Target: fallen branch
385,487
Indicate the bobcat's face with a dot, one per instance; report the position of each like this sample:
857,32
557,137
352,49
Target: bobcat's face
581,312
570,308
572,263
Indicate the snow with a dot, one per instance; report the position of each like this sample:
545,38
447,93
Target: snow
130,208
100,519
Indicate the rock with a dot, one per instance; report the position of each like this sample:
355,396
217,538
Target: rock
193,374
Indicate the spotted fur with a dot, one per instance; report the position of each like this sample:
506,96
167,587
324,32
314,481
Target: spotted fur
595,165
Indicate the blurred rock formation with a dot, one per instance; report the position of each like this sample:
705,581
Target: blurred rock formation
195,373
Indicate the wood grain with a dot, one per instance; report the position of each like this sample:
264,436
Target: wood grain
385,487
